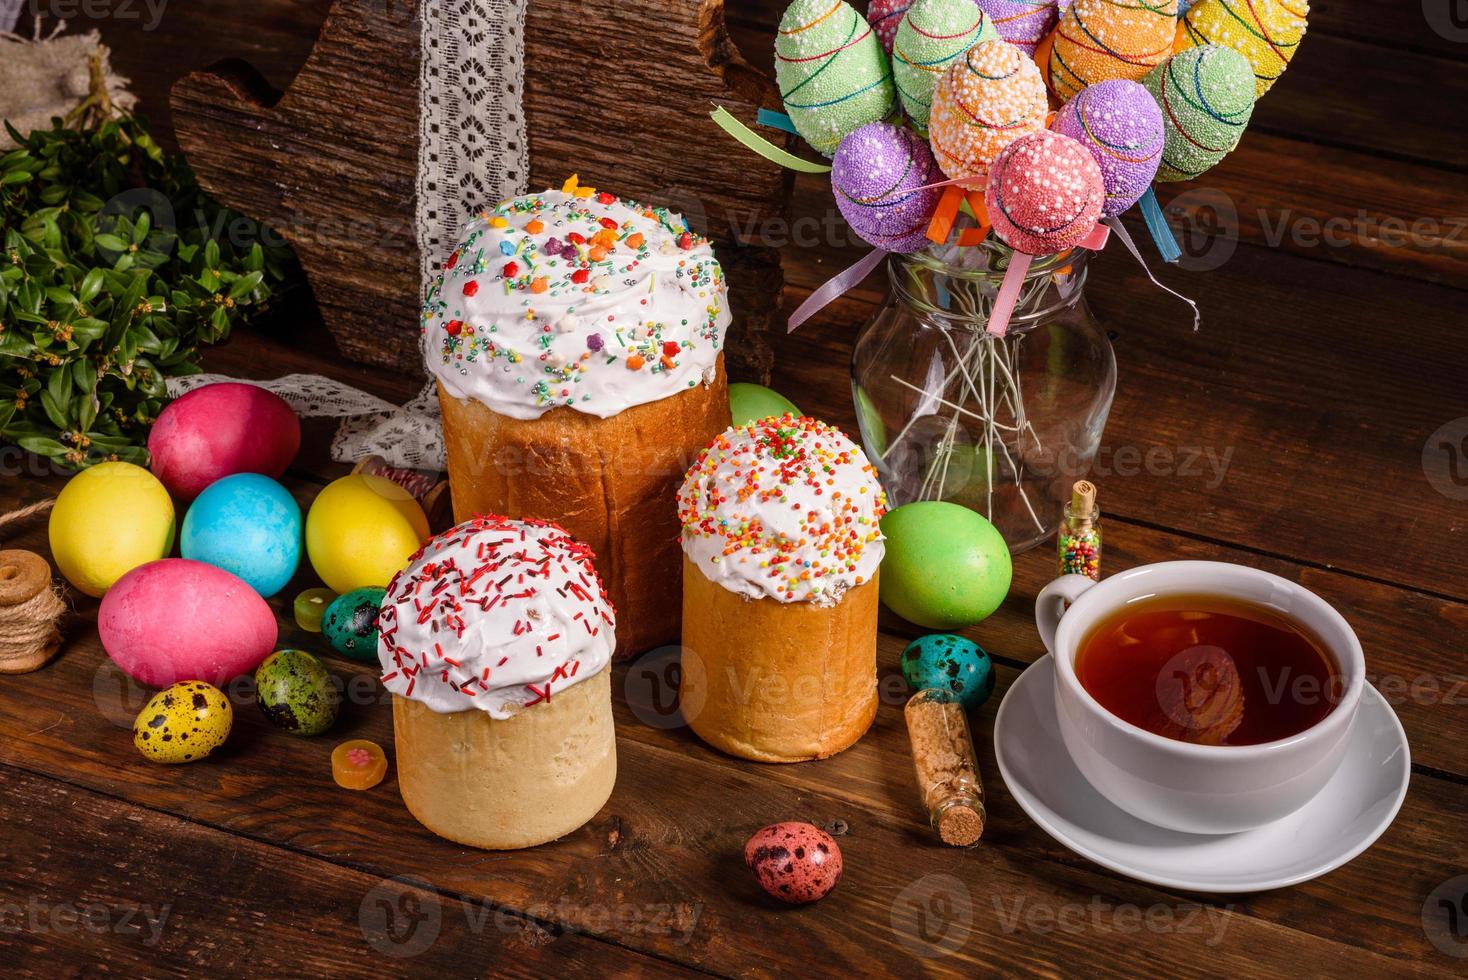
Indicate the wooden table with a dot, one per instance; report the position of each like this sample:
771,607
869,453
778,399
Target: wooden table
1329,377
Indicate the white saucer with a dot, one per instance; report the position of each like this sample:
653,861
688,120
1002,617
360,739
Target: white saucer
1353,809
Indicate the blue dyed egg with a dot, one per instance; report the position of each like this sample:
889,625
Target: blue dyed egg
249,525
949,663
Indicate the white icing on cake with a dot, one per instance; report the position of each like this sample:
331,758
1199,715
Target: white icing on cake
783,508
494,614
526,317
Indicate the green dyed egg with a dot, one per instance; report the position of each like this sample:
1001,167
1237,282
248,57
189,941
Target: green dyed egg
946,567
832,71
952,664
350,624
296,693
750,403
932,34
1207,97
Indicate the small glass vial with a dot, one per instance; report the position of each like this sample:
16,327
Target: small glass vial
1079,540
947,772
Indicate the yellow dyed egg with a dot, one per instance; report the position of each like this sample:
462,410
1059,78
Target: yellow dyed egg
183,723
361,530
107,521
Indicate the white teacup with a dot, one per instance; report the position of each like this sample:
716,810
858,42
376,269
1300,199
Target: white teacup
1199,789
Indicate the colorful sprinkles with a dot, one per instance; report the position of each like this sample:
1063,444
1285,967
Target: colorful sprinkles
789,506
494,613
549,289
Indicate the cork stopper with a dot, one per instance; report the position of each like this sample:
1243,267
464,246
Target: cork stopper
23,574
961,826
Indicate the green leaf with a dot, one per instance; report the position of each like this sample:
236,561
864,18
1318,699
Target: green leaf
245,285
55,411
13,177
111,242
41,446
91,285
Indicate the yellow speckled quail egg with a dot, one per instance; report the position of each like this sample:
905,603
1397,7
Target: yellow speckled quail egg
183,723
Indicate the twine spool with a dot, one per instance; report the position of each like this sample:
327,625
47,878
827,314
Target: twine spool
30,603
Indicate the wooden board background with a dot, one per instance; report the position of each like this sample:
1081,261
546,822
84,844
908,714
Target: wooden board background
1321,375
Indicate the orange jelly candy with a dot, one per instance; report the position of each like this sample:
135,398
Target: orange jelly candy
358,764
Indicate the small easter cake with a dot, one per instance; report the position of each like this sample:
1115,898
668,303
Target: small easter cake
577,339
495,642
781,544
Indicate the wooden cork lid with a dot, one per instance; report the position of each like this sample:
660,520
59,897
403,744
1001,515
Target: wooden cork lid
23,574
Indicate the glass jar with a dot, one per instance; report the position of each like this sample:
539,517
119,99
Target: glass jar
1001,425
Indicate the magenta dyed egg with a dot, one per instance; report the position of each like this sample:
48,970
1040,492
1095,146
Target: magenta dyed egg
880,176
884,16
1044,193
1023,23
1121,124
795,862
179,620
219,430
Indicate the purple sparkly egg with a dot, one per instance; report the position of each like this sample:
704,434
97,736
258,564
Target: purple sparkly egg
1121,124
884,16
880,176
1023,23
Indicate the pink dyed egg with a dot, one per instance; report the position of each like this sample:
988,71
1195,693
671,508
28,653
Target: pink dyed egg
884,16
795,862
179,620
1045,193
219,430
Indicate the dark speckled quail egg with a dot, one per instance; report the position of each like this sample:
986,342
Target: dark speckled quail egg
183,723
350,624
296,692
795,862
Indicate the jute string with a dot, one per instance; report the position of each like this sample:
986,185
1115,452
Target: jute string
29,630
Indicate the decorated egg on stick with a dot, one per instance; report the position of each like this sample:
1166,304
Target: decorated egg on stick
1121,124
1207,96
986,100
881,176
1101,39
1045,194
1266,32
885,16
1023,23
933,35
832,73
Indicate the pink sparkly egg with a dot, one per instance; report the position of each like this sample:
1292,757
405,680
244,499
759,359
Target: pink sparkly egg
1121,124
1045,193
985,100
219,430
1023,23
880,176
884,16
793,861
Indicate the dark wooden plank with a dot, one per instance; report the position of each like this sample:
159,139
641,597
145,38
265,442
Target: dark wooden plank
671,833
91,884
670,838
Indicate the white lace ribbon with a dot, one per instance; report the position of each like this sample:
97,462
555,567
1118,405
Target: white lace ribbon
472,148
408,436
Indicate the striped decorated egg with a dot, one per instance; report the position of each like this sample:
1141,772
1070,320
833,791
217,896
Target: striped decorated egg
1023,23
1101,39
987,99
1266,32
832,73
1044,193
1121,124
881,176
1207,96
884,16
933,35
